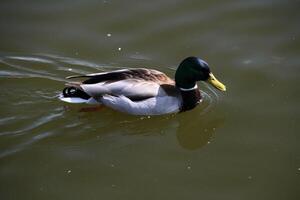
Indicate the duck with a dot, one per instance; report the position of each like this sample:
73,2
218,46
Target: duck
142,91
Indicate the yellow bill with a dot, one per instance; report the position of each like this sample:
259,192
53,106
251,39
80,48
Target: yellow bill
217,84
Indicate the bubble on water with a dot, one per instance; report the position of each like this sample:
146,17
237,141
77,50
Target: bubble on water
189,167
119,49
108,34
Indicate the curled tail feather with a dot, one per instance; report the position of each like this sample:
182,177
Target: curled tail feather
72,91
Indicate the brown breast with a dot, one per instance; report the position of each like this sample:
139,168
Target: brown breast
190,99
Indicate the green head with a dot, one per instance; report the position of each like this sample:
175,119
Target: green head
193,69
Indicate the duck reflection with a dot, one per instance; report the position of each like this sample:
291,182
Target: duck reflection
193,130
197,132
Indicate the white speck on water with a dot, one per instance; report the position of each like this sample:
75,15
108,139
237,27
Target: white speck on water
108,34
189,167
148,117
69,171
112,165
299,169
249,177
247,62
119,49
208,142
70,69
214,129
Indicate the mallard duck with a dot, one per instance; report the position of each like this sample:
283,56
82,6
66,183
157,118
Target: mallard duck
143,91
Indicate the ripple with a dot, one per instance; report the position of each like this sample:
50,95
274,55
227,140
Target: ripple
211,99
32,59
74,61
39,122
23,68
6,120
23,103
12,74
35,131
138,56
23,145
25,72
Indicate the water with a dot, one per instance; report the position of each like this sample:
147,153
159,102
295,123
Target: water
242,144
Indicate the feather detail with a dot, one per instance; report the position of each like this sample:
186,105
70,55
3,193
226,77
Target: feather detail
150,106
74,84
118,75
76,76
129,88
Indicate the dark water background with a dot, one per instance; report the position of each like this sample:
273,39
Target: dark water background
242,144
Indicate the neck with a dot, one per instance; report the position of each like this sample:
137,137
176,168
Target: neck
189,89
190,98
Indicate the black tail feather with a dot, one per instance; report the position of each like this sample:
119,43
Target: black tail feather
75,92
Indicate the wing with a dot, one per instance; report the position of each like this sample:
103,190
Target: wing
137,84
118,75
103,76
132,88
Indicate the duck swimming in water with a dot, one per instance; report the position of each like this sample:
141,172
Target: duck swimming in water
141,91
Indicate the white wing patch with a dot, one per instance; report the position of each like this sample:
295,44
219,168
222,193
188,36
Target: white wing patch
152,106
127,88
101,73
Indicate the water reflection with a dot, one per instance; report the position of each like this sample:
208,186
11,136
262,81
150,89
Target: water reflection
195,134
193,130
254,45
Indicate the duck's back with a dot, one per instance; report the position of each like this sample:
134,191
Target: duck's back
150,75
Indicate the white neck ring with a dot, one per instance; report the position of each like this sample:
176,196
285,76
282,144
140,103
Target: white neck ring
189,89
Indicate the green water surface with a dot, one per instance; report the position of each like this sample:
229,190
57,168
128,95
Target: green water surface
242,144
